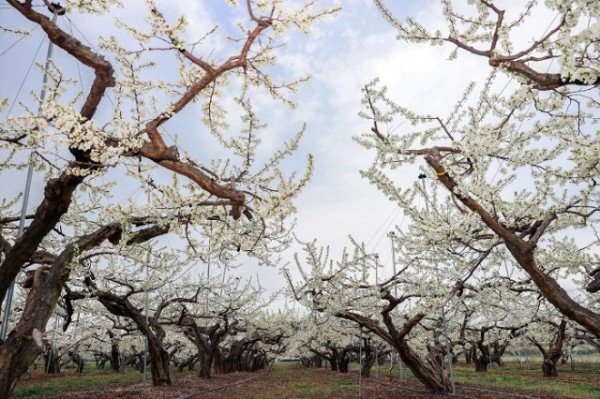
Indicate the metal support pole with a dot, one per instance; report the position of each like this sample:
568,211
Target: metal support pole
76,326
448,349
377,360
208,267
422,177
360,342
146,346
223,281
11,289
392,236
376,269
376,283
51,354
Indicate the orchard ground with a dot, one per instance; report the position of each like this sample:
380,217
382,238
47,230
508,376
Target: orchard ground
290,380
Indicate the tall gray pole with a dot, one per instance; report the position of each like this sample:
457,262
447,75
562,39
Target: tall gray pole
376,269
11,289
51,356
360,342
422,177
223,280
448,349
392,235
376,283
208,268
146,345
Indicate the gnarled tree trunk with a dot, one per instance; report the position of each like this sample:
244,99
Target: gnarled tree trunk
368,361
333,364
426,375
554,352
115,355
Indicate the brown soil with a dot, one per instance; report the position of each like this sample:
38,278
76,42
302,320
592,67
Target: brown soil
317,384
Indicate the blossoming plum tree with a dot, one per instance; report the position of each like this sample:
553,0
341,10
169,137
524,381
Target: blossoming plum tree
518,169
75,140
345,289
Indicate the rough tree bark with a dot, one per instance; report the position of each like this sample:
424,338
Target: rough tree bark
115,355
154,333
22,347
433,381
206,340
369,359
522,250
554,352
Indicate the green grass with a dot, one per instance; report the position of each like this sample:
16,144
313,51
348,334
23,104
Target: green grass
294,382
54,386
508,378
306,389
523,382
513,376
289,380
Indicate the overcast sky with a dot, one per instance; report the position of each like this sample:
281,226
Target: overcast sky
341,54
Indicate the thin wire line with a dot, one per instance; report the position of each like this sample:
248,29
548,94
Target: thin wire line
19,40
382,224
93,47
12,105
383,233
390,254
70,26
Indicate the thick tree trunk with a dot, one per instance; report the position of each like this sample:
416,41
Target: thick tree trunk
555,293
483,359
115,356
205,365
208,358
318,361
368,362
468,355
21,347
334,364
549,367
481,364
554,352
207,340
420,370
159,363
79,362
51,362
343,364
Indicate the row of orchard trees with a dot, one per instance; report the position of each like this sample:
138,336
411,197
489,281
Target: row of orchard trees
478,323
220,326
502,226
92,246
513,178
